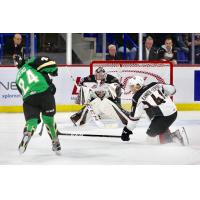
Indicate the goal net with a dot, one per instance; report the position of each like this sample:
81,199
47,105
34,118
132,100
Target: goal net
151,71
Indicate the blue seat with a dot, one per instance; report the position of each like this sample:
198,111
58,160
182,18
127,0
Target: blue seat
182,57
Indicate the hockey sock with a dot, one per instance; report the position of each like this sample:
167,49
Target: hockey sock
50,125
31,125
165,137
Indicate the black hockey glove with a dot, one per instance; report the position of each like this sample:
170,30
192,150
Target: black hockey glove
52,88
55,73
125,134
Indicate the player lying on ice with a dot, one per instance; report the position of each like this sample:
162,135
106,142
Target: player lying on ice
101,96
155,100
38,91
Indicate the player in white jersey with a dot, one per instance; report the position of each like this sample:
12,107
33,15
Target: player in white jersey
155,100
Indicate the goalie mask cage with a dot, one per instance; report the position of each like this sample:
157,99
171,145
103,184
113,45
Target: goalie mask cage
151,71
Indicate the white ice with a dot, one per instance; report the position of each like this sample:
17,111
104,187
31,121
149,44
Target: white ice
87,150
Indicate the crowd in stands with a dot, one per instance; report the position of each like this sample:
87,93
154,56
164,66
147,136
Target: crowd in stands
167,47
156,46
165,53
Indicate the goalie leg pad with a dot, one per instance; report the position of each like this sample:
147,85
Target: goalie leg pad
80,117
110,110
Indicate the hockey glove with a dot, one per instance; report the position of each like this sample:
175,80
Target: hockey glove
125,134
52,88
55,73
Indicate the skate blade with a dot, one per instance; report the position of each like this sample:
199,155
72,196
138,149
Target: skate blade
183,133
176,141
58,153
22,149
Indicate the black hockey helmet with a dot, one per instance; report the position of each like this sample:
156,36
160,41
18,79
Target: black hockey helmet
100,73
19,61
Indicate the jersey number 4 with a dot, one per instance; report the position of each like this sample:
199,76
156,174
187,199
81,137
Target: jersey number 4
159,99
31,78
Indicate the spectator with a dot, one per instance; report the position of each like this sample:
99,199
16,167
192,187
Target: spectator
130,54
112,53
181,42
149,51
121,54
167,52
15,47
197,47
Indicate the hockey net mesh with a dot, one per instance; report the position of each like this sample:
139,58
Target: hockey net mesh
156,71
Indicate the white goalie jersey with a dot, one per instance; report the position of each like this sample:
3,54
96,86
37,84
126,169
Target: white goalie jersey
155,100
91,91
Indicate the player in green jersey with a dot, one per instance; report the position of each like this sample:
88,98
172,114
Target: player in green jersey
38,91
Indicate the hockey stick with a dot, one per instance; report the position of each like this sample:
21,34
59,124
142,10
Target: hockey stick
40,133
88,135
80,134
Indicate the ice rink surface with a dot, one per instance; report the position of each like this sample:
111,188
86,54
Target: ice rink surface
87,150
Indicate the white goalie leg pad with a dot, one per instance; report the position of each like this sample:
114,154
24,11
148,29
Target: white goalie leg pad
96,105
109,110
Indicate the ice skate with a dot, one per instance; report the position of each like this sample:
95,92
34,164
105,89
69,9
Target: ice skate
56,145
180,136
24,143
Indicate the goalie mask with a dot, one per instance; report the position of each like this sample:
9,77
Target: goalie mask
100,74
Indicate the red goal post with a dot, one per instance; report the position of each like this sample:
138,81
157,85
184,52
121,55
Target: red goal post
157,71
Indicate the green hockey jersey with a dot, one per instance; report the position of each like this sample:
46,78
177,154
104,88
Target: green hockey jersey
31,77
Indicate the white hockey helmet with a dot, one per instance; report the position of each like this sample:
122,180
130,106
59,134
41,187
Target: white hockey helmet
136,80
